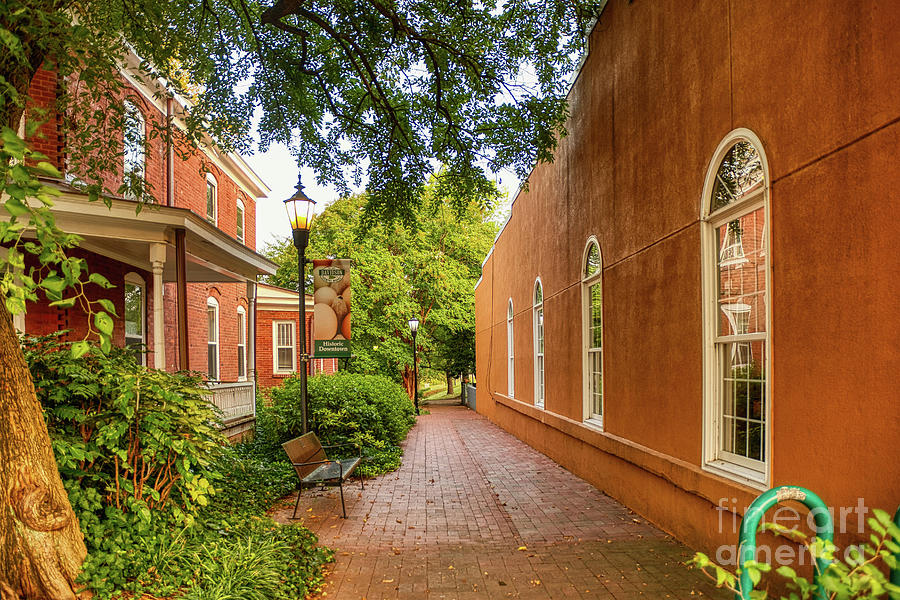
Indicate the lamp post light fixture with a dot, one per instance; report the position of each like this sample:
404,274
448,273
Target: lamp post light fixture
414,327
300,211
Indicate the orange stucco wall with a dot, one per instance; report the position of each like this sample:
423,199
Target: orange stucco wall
661,88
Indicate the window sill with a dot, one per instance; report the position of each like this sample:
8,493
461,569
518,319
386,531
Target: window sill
738,473
596,424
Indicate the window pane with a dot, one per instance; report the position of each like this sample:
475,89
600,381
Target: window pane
538,294
240,223
739,175
210,200
134,134
743,409
242,361
212,363
134,317
213,333
285,359
592,265
242,328
596,315
742,280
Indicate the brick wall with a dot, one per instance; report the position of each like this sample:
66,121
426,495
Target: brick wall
190,167
229,296
42,319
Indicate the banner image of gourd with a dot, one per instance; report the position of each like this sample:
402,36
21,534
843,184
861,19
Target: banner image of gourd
331,315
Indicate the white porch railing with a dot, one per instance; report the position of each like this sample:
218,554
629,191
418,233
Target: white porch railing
235,400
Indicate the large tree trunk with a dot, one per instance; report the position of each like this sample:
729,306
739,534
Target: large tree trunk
409,381
41,546
449,383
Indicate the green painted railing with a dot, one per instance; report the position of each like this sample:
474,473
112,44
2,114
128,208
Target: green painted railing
753,516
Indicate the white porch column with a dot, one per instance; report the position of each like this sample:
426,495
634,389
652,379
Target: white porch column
158,261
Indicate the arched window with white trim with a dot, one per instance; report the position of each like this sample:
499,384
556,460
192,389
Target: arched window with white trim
136,315
134,157
212,343
242,344
510,352
212,199
592,333
737,306
240,221
538,327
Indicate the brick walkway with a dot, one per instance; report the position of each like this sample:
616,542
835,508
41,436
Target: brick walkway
475,513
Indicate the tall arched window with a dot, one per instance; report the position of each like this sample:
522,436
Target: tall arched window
592,317
737,306
510,352
212,343
538,312
240,220
242,344
136,315
212,199
134,134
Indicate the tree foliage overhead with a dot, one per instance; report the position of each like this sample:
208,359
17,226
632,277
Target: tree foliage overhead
427,272
361,90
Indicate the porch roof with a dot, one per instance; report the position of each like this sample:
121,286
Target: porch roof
123,234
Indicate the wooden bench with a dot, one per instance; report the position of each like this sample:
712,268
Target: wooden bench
307,455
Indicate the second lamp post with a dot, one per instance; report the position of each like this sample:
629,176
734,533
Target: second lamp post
414,327
300,210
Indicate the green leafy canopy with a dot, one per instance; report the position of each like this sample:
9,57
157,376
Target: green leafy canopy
399,272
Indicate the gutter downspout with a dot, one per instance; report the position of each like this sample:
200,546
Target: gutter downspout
170,152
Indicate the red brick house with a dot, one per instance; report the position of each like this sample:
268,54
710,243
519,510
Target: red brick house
185,267
277,321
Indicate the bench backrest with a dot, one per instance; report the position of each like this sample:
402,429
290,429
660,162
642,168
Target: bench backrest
306,448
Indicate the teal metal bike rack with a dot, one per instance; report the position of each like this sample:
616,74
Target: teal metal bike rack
753,516
895,573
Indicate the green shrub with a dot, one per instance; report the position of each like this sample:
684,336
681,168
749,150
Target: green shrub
140,437
858,573
370,410
165,507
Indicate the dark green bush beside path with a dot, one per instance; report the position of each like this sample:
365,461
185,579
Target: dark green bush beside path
166,507
370,410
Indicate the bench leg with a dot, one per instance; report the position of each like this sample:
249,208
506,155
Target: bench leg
343,508
361,481
299,491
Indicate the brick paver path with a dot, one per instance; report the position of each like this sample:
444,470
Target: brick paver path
475,513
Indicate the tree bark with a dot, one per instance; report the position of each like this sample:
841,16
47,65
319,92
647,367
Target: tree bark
449,383
41,545
409,381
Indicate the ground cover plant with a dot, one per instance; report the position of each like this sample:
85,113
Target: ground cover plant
166,506
856,574
344,408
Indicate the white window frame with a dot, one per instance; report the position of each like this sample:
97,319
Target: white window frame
510,352
139,164
587,281
745,470
540,345
240,218
275,347
136,280
212,303
214,217
242,342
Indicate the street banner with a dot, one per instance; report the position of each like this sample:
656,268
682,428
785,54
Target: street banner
331,314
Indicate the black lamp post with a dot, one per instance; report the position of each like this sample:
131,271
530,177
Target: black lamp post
414,327
300,213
